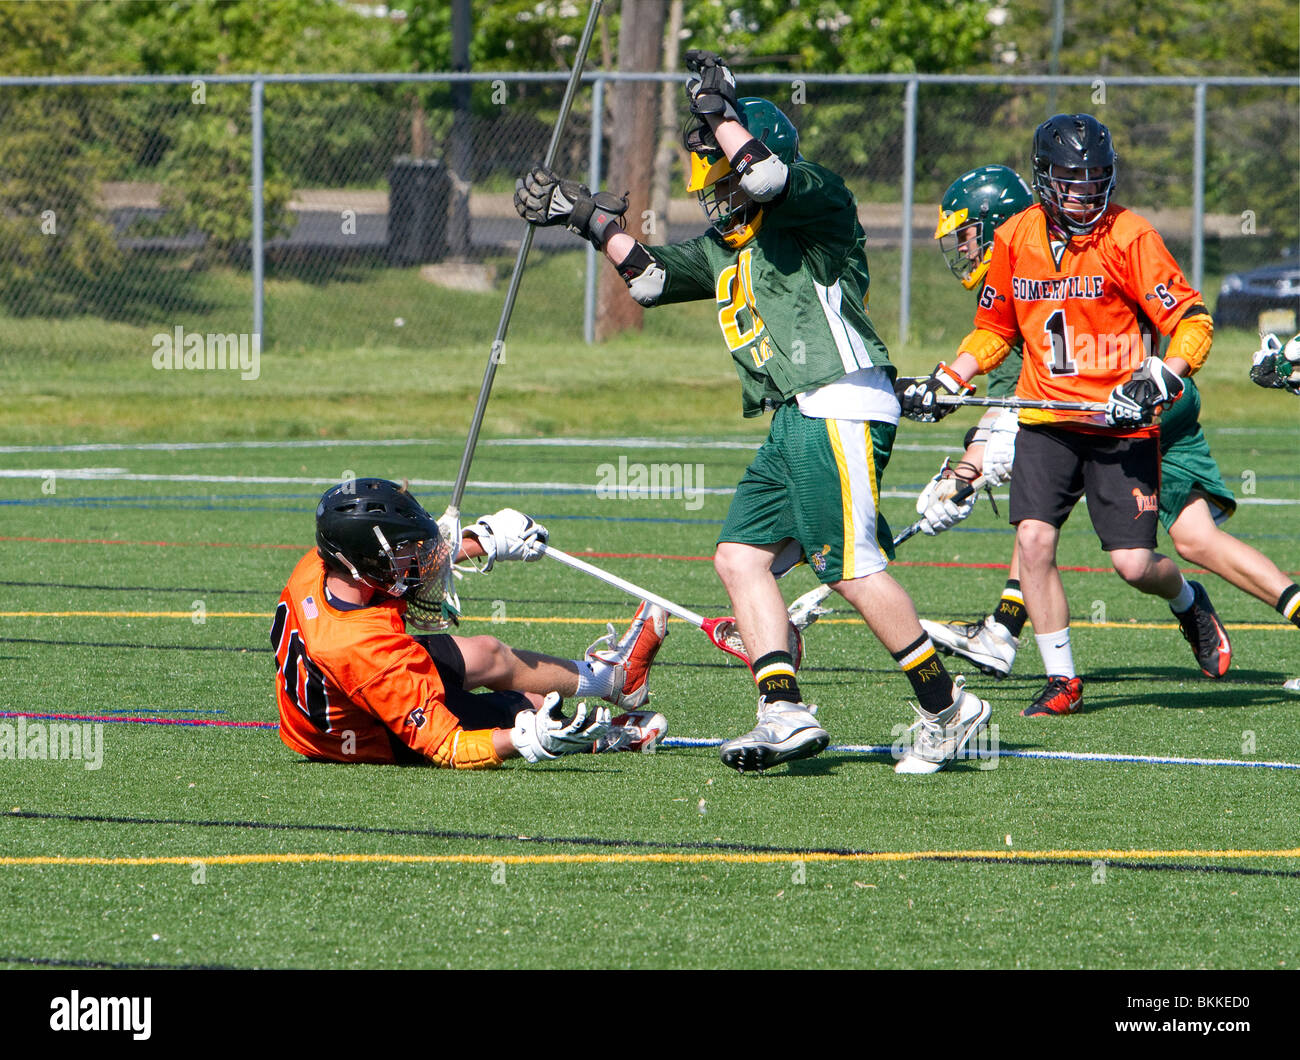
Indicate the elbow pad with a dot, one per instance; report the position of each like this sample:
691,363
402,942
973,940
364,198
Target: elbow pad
1191,338
762,175
472,749
988,349
643,275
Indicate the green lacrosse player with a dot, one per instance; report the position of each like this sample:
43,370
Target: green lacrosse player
785,266
1194,500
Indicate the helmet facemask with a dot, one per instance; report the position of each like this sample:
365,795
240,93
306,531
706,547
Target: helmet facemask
966,248
418,576
733,214
1075,199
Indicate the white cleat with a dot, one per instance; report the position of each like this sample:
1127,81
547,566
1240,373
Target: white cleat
987,644
785,731
937,740
633,653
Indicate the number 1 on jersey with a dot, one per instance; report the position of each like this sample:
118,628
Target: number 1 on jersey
1058,340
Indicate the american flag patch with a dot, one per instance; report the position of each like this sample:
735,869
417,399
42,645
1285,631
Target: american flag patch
309,607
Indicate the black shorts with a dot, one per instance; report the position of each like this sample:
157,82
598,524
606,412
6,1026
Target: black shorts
1121,476
476,710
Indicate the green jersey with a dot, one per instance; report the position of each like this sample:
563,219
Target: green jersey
792,301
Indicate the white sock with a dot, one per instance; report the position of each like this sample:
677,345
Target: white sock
1183,600
1058,659
595,678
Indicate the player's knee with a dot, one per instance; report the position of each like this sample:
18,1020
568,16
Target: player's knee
488,661
1036,543
1195,548
1133,565
733,562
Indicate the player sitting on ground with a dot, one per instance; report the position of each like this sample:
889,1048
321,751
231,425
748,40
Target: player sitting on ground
1194,500
786,267
354,686
1081,281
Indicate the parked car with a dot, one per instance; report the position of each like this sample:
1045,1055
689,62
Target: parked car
1244,295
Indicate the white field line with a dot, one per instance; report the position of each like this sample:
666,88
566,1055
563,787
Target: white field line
121,474
1059,756
331,443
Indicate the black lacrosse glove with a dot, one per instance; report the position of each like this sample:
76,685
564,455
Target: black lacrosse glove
1150,388
1272,365
542,198
920,397
712,87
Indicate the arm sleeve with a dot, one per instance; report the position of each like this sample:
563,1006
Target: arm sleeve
408,697
687,275
1158,285
996,313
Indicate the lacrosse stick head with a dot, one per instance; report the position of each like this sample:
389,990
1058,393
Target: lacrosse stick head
725,635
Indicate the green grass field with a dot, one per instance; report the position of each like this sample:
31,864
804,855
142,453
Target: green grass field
139,584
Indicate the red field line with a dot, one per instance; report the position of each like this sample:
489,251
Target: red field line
589,555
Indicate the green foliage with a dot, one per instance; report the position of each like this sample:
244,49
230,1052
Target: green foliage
841,36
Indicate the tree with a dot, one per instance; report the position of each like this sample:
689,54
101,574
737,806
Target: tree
635,119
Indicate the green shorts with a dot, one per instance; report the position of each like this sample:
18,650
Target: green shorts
1186,467
817,482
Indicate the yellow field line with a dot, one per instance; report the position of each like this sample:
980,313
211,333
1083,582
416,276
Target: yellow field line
568,621
667,858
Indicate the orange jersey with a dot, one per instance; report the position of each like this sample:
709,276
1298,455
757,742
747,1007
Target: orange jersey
354,686
1088,321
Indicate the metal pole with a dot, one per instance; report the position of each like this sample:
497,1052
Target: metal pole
909,180
1058,36
525,244
258,220
593,181
1198,189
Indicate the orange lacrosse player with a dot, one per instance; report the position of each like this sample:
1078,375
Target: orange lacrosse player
1085,284
354,686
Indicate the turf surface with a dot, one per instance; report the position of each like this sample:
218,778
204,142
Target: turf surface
148,599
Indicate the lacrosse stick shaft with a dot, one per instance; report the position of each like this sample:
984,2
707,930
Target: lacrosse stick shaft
961,495
1021,403
684,613
498,344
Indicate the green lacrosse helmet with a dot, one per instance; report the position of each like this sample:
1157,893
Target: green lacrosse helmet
985,197
731,212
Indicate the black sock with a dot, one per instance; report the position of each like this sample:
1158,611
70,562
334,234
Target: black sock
774,675
930,680
1011,608
1288,604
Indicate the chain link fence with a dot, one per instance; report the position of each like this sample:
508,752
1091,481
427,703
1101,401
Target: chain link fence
138,201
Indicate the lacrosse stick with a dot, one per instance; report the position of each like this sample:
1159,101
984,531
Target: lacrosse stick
1022,403
721,631
449,523
962,493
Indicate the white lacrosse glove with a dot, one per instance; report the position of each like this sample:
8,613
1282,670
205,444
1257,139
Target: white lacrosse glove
936,507
1000,449
545,733
509,534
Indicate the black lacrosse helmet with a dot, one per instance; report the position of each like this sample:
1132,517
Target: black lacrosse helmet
1074,142
374,530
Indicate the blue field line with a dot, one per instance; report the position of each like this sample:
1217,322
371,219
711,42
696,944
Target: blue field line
164,710
1060,756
